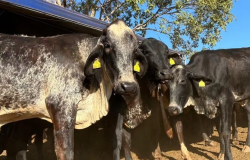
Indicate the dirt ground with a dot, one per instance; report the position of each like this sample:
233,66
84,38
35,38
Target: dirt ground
92,144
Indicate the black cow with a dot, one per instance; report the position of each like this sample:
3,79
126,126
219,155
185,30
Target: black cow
212,81
68,79
157,54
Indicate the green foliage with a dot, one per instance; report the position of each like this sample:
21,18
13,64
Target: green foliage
185,22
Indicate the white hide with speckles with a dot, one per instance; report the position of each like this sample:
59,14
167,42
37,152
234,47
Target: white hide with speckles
31,84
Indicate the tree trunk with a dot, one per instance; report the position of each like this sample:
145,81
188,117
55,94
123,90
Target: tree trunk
58,2
93,11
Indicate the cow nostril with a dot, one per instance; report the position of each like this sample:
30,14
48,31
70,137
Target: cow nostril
163,72
123,86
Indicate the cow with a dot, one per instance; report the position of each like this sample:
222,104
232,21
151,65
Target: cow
212,82
157,54
68,79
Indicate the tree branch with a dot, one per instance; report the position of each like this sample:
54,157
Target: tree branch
160,31
116,8
157,15
139,26
103,9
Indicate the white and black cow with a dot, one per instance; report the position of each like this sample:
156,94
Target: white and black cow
213,80
68,79
157,54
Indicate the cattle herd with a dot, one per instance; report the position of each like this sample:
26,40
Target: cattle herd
74,80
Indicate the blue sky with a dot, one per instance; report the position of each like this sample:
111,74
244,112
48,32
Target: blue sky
237,34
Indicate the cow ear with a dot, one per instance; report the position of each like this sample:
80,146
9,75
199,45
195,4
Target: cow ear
140,63
202,80
198,81
94,61
174,59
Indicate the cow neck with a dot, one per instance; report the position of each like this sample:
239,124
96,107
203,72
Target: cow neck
94,104
108,82
136,113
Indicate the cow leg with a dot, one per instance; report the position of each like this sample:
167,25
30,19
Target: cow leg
126,144
118,138
179,131
222,145
50,139
207,140
246,148
156,118
157,152
39,143
63,116
234,126
226,117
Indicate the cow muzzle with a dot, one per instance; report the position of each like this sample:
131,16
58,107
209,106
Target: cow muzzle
174,110
163,75
126,88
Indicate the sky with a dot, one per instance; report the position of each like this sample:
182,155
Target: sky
237,34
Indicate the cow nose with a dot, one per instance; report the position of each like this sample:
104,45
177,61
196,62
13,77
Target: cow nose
164,74
127,87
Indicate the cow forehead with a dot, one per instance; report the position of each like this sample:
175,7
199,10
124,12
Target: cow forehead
119,31
178,67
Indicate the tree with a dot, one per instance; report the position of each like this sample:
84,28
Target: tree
185,22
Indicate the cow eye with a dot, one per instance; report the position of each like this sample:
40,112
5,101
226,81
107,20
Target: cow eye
183,81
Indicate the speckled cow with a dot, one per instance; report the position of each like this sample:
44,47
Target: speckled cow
57,79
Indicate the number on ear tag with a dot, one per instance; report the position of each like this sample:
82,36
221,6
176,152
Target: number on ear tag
96,64
137,67
202,83
171,61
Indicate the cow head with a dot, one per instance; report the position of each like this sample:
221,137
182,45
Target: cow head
159,64
183,86
156,53
117,49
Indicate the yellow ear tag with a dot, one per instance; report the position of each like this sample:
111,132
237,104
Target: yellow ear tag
171,61
96,64
202,83
137,67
